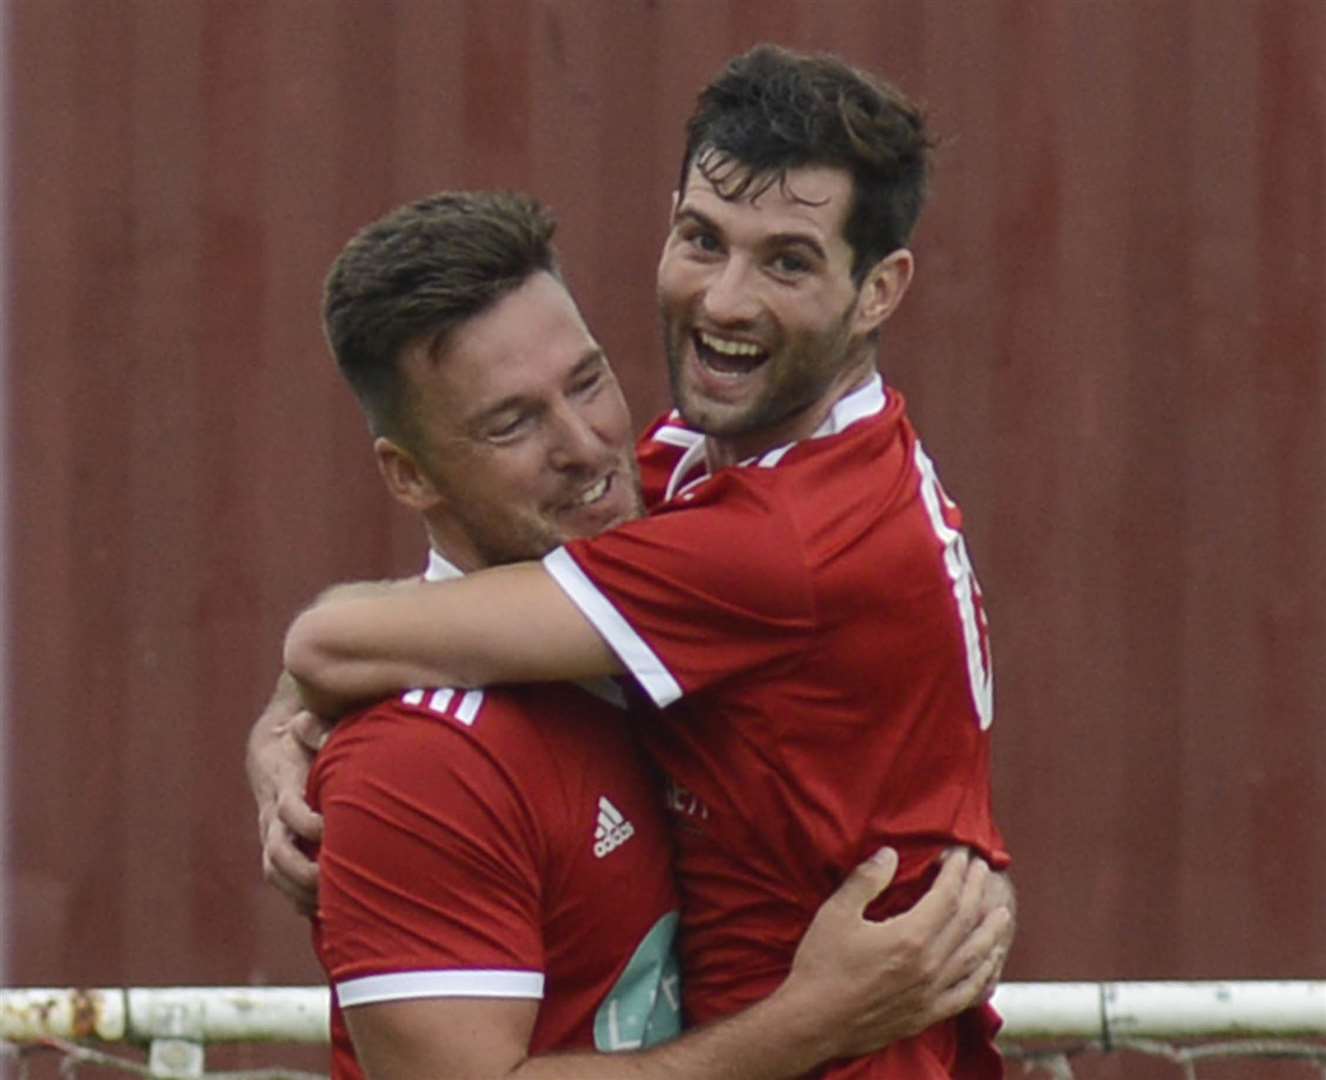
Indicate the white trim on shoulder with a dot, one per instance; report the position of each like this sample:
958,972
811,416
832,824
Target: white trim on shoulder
866,400
633,651
400,985
469,707
869,399
672,435
440,568
694,455
862,403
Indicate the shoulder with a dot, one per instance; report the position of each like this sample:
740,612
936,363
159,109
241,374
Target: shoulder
734,523
417,719
421,740
864,438
849,478
668,432
436,770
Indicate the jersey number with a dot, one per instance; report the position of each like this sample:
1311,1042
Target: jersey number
966,590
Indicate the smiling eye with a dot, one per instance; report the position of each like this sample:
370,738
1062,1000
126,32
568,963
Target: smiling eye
790,263
586,384
701,240
507,428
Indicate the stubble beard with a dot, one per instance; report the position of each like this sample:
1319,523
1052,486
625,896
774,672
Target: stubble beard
798,373
508,540
502,538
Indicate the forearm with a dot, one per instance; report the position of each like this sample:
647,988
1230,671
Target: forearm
510,624
488,1039
771,1040
855,986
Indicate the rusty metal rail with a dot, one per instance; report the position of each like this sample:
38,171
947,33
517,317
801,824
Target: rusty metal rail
144,1015
1104,1012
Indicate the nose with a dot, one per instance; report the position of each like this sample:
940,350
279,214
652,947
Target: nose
729,296
576,442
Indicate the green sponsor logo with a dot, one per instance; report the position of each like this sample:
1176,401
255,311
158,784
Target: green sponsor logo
644,1006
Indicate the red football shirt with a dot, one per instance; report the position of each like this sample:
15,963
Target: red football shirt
506,842
816,613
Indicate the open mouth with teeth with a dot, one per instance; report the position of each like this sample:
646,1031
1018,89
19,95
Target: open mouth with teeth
727,356
594,492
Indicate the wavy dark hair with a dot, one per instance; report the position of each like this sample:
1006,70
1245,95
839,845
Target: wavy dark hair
771,110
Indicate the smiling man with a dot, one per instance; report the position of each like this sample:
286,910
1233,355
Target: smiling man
497,898
800,603
764,329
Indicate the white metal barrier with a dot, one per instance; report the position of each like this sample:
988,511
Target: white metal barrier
207,1014
1098,1011
1108,1011
177,1023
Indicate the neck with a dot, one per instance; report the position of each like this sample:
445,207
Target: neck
448,541
724,450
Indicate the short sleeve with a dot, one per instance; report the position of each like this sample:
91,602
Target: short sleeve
703,590
430,863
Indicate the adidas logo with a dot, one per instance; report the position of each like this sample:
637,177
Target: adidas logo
612,830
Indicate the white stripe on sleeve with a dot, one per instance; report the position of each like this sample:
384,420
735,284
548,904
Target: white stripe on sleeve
400,985
633,651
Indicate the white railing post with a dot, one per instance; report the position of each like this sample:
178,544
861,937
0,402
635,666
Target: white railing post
177,1049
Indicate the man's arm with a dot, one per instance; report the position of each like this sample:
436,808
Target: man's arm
278,756
277,762
508,624
855,986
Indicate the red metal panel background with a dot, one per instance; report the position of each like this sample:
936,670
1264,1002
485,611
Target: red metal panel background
1115,349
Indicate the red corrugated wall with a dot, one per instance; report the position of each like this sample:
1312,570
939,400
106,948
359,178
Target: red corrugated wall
1115,350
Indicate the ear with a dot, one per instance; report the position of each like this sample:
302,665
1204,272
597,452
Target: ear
409,484
883,289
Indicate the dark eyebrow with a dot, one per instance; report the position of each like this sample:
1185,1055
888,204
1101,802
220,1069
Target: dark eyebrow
795,239
685,211
784,239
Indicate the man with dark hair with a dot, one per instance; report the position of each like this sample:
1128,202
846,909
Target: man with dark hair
802,581
771,110
495,880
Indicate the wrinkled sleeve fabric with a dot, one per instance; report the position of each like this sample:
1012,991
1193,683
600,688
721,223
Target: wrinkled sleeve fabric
701,591
430,877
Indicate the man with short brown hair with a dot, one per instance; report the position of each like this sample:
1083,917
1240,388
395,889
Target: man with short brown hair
495,879
801,586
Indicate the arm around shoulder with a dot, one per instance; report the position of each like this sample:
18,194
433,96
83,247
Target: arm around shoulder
488,1039
508,624
856,986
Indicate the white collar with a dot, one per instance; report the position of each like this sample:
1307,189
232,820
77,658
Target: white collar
440,568
865,401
